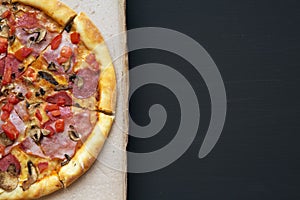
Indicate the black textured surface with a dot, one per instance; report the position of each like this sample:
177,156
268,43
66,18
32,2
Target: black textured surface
256,46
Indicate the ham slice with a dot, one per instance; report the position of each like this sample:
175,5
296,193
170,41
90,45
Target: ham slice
58,145
30,147
11,60
21,110
2,65
18,123
86,83
82,123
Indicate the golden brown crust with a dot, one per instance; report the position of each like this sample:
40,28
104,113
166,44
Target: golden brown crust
44,187
57,10
92,38
88,153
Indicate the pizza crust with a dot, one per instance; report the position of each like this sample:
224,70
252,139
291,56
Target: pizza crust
93,39
57,10
43,187
87,154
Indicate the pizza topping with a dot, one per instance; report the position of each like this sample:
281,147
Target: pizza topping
23,53
29,146
62,87
38,115
60,125
66,52
6,79
66,160
4,140
86,83
57,145
4,28
17,122
91,60
32,176
60,98
3,44
10,130
56,42
6,14
35,133
42,166
11,39
27,20
10,160
8,181
50,107
45,132
21,109
48,77
55,113
73,134
52,67
38,34
75,37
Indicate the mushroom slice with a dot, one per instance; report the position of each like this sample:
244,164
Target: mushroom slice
73,134
67,65
52,67
62,87
35,133
32,176
11,39
6,2
45,132
4,29
41,34
66,160
8,181
5,140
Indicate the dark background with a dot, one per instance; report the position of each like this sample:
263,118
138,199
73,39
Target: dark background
256,46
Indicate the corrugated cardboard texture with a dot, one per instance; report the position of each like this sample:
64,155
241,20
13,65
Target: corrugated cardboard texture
102,181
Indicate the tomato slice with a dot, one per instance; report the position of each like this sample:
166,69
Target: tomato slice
62,60
75,37
5,116
38,115
8,107
3,45
42,166
6,14
2,149
6,79
56,42
10,130
60,125
50,107
30,73
49,128
55,113
13,99
23,53
66,52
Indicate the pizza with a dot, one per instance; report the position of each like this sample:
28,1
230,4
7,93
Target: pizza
57,96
